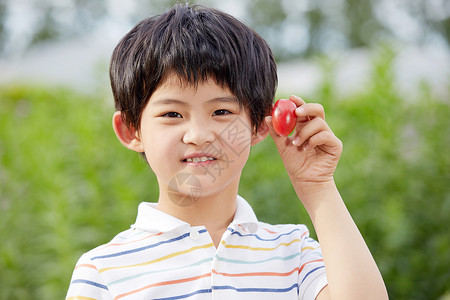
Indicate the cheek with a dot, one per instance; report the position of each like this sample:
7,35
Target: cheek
237,148
159,143
161,154
237,137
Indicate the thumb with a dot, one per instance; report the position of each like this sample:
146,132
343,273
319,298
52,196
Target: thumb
280,141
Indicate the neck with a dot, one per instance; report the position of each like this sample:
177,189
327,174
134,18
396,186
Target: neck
215,211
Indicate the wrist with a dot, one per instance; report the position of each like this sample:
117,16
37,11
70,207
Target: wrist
314,194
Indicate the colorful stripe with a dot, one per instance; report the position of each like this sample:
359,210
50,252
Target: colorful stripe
237,261
170,282
310,272
175,254
241,290
276,274
209,259
85,266
126,243
204,291
265,239
309,248
145,247
88,282
269,231
309,262
257,290
259,248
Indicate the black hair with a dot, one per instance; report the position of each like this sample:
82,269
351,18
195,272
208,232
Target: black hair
196,43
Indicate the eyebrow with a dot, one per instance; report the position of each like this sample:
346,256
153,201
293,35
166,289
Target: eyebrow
223,99
169,101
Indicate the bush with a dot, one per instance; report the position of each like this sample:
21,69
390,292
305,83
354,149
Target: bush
67,185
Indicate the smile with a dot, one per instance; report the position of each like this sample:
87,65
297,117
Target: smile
198,159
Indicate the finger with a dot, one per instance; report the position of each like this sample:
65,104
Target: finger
297,100
311,128
311,110
276,138
327,141
300,102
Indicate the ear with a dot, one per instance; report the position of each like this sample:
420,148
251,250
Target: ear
261,134
129,137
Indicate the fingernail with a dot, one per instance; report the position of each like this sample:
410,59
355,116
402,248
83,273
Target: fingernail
300,110
296,141
305,146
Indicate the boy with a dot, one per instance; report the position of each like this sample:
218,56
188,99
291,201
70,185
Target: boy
192,88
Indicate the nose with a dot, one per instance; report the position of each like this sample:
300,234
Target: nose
198,133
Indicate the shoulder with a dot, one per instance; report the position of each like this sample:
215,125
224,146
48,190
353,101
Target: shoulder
123,241
289,236
310,266
276,238
298,230
87,279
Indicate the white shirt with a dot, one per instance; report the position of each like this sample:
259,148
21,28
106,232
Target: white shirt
162,257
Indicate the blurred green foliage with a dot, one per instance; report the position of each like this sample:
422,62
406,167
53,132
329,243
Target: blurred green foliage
67,185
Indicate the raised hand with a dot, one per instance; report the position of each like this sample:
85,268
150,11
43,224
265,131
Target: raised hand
310,155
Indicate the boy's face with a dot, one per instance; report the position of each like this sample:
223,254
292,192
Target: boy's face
200,132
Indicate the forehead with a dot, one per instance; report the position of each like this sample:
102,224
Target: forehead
174,85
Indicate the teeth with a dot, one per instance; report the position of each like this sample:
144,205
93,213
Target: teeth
199,159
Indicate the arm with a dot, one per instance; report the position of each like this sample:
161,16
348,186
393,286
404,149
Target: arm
310,157
352,273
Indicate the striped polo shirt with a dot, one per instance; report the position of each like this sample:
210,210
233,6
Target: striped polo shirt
161,257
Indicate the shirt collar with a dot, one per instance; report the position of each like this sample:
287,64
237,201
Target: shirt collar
245,216
149,218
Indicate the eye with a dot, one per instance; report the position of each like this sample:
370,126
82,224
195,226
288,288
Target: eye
172,114
221,112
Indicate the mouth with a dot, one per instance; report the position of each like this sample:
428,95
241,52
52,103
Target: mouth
198,159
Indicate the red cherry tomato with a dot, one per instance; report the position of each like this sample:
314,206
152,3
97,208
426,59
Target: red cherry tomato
284,118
